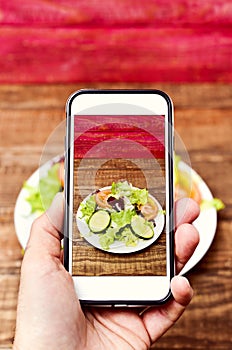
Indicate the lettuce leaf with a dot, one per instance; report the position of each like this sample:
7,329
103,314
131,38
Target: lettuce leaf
34,198
139,196
125,189
122,218
88,207
213,203
121,188
40,197
128,237
113,233
108,238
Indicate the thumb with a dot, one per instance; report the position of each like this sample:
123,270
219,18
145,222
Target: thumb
46,231
56,212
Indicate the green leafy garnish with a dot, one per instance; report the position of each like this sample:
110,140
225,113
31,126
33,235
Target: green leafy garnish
121,188
213,203
113,188
40,197
139,196
88,207
122,218
135,195
125,235
108,238
34,198
128,237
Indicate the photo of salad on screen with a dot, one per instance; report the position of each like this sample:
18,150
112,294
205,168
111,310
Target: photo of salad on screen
120,218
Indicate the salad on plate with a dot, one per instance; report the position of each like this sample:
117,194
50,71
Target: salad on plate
120,215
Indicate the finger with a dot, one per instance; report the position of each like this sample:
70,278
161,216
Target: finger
186,210
186,235
186,241
181,290
55,212
45,232
158,320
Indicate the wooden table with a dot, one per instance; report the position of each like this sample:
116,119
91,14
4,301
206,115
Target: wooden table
28,115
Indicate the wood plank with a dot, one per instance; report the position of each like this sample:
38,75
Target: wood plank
14,98
211,129
52,97
93,262
8,303
215,170
10,252
32,127
158,54
115,12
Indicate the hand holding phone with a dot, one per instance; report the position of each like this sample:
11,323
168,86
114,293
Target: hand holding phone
48,305
119,217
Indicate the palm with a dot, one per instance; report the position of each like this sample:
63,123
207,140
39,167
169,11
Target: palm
123,328
101,328
117,329
94,328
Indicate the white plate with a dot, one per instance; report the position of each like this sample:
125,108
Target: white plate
206,223
22,217
119,246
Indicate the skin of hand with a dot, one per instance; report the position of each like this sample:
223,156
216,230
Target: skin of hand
49,315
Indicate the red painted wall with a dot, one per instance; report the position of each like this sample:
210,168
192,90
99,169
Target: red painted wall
115,41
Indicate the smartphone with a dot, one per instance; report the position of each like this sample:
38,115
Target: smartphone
119,220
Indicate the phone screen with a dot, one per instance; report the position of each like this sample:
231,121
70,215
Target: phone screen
119,195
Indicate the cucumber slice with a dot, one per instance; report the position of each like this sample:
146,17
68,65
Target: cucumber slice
141,227
99,221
